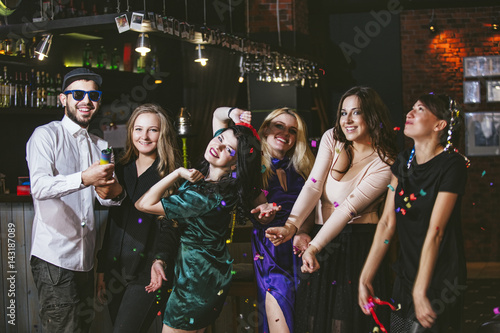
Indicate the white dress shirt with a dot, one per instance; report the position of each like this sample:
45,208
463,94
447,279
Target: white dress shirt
64,230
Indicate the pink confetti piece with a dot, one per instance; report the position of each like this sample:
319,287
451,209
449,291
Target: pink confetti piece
313,180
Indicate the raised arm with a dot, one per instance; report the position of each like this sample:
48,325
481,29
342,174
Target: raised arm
441,212
150,202
383,236
223,115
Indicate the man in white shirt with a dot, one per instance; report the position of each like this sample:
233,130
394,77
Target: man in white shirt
63,160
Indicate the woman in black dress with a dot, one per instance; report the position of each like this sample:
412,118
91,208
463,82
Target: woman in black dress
124,263
423,204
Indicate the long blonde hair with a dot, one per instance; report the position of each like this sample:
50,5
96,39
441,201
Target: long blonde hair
301,156
168,154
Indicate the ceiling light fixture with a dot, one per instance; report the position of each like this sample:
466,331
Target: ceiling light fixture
43,47
143,46
200,57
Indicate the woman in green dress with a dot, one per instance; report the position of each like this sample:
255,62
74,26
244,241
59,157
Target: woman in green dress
228,179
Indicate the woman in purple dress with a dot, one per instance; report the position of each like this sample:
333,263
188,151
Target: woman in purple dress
288,160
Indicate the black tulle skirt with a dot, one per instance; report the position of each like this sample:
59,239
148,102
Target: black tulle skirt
327,300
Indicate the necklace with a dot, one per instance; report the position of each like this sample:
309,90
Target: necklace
364,158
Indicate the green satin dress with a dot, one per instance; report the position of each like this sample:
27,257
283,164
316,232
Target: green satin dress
203,264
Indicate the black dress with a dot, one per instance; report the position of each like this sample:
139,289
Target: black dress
128,251
421,184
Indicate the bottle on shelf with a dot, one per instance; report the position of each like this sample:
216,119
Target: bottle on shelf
141,64
87,56
2,90
154,64
70,10
33,89
32,49
51,92
26,91
21,48
115,60
58,90
8,46
83,9
17,90
38,98
102,58
7,87
59,10
43,100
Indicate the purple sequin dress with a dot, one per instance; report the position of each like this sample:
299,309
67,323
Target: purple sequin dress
276,271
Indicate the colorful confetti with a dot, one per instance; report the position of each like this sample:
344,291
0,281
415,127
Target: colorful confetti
313,143
496,310
251,150
413,197
265,192
397,128
401,193
403,211
220,292
408,205
139,220
390,186
484,172
335,204
223,203
423,193
263,169
386,241
313,180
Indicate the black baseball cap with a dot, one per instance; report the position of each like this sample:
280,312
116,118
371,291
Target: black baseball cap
81,74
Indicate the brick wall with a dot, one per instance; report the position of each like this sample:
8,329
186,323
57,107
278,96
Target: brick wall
292,12
434,62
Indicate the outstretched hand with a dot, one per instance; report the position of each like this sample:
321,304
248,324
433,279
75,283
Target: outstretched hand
265,212
157,277
279,235
241,116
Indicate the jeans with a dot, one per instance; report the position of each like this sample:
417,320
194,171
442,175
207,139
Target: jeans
66,298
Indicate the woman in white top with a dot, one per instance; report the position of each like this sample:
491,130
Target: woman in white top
349,179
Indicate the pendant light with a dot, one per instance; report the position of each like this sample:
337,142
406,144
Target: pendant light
43,47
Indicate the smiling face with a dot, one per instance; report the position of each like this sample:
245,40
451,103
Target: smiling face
221,150
281,135
352,121
421,122
146,133
80,112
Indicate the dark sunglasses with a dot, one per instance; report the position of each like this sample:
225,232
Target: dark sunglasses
78,95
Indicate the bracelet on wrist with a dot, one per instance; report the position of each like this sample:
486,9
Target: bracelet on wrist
229,112
161,262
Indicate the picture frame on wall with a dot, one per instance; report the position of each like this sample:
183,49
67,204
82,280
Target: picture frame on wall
492,91
472,92
482,133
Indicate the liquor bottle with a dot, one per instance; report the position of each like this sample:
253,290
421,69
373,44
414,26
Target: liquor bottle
87,56
38,98
94,10
59,10
21,48
155,65
70,10
6,88
16,100
43,100
83,9
1,91
8,46
20,90
27,91
32,49
33,89
51,92
141,64
58,90
115,60
102,58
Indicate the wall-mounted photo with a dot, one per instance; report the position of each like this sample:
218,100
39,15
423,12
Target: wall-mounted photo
482,133
493,91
